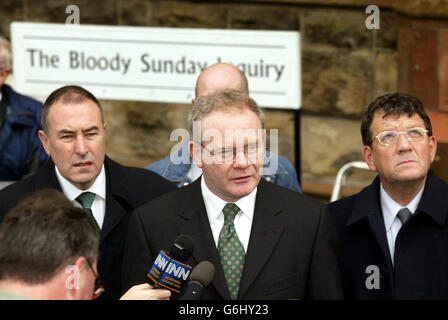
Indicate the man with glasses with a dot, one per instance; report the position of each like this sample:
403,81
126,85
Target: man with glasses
265,241
394,233
277,169
21,152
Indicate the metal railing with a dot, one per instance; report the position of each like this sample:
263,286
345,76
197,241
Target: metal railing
342,173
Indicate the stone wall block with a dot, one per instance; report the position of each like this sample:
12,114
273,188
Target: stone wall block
336,81
91,12
188,15
14,10
263,17
327,144
342,28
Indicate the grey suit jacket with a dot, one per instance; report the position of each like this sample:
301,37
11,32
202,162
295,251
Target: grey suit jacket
292,251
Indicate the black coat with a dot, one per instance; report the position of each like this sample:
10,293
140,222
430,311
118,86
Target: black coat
421,247
291,252
126,189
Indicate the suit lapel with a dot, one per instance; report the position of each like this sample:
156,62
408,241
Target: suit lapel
117,204
368,206
265,233
197,226
46,177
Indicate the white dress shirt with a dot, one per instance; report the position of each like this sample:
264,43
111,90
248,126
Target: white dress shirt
98,188
243,220
390,210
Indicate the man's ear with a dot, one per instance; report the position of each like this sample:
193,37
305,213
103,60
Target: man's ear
195,153
432,147
45,141
74,281
368,156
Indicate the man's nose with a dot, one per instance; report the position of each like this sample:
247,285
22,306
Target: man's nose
241,160
81,146
403,142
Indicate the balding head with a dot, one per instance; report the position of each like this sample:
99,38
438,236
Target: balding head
218,77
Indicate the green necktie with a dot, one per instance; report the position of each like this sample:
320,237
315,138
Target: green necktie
86,201
231,251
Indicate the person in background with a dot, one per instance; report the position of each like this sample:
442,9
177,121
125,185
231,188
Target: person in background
216,77
74,136
394,233
21,152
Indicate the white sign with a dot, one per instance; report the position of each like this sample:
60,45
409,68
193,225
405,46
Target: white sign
153,64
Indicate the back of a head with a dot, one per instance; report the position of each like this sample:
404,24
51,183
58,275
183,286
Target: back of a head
393,104
221,76
41,235
70,94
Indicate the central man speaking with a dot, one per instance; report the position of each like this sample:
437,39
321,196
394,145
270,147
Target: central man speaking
265,241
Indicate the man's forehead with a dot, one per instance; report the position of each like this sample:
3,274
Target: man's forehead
381,118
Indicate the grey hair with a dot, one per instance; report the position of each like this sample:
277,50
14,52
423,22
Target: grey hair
5,54
223,100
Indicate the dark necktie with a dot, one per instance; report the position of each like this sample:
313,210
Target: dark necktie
404,214
231,251
86,201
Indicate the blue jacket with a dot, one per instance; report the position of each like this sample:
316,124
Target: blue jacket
284,176
21,151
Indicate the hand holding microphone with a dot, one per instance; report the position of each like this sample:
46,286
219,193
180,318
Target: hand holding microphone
145,291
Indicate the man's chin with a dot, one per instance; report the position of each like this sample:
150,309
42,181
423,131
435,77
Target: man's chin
83,180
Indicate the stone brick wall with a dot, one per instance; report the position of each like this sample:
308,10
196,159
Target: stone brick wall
344,67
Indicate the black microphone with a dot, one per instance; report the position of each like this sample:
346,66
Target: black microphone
200,277
168,271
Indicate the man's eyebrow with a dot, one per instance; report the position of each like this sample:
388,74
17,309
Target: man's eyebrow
65,131
93,128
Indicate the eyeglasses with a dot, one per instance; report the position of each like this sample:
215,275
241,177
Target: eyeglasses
99,289
387,138
228,155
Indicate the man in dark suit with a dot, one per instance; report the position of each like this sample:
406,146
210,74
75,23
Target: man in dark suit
265,241
73,136
394,233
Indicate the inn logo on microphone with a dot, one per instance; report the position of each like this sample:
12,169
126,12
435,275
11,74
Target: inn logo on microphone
169,273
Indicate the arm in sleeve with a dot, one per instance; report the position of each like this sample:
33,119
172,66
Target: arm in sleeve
137,256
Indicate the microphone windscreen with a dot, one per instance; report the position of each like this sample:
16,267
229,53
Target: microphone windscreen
203,273
182,247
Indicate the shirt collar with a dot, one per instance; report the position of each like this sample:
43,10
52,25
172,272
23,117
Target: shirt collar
215,204
390,207
72,192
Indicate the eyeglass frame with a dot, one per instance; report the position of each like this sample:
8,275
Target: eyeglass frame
99,288
398,135
234,153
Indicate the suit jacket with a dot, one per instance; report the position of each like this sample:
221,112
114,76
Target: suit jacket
421,251
126,189
291,251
